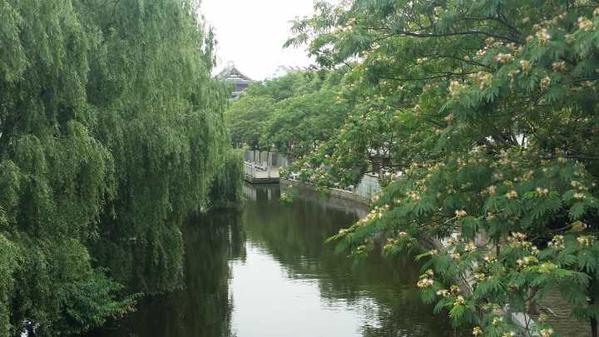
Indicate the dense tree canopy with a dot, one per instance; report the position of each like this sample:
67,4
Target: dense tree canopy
247,120
293,113
111,133
488,109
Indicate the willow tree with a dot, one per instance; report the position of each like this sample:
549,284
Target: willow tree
494,106
110,135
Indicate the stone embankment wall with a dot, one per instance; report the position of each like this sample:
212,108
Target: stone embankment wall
363,193
560,317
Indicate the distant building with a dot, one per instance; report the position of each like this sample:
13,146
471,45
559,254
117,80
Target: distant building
240,82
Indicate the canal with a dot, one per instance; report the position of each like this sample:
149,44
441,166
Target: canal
264,271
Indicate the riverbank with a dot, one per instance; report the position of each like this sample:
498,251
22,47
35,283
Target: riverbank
330,192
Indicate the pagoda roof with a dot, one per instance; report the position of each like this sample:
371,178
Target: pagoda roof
232,73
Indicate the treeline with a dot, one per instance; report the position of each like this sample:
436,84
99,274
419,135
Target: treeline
483,117
302,113
111,134
291,114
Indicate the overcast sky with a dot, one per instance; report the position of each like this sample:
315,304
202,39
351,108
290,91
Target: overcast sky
251,33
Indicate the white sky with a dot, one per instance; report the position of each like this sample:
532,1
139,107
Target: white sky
251,33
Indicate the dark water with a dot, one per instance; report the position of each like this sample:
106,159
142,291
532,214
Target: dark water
265,272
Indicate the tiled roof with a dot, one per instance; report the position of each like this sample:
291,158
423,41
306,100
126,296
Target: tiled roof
232,73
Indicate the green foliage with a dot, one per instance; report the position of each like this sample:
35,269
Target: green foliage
8,265
111,133
227,184
292,113
247,119
301,122
488,111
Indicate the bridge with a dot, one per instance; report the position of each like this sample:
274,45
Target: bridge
260,174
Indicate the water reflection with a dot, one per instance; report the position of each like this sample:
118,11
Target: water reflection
203,307
318,292
265,272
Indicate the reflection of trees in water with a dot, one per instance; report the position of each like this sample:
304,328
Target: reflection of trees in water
144,259
393,323
295,235
202,308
